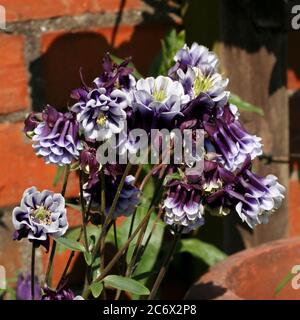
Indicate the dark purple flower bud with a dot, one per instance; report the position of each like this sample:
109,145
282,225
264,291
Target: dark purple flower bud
115,76
88,161
31,122
128,199
23,289
183,207
40,215
62,293
56,137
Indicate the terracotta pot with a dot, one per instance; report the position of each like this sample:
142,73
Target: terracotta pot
251,274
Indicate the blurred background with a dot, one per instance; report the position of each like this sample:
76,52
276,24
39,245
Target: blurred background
47,42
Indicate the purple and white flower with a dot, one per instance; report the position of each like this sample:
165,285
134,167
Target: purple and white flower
40,215
55,138
128,199
183,207
157,101
232,140
101,113
196,68
195,83
257,197
196,56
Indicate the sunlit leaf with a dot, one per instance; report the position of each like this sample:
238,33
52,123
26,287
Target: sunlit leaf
96,289
70,244
202,250
126,284
243,105
59,173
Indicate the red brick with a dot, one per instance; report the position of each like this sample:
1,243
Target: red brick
64,53
18,10
293,79
13,74
21,169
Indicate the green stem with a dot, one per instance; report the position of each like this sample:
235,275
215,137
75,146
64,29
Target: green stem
109,217
155,199
32,271
83,213
115,235
71,256
102,243
53,249
117,256
164,267
50,264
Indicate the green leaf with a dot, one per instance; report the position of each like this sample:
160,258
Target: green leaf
88,258
96,289
284,282
172,42
173,176
59,173
205,251
70,244
126,284
243,105
72,234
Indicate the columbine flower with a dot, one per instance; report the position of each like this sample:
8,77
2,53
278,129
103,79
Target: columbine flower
195,83
157,101
197,70
257,197
40,215
128,199
23,289
232,140
196,56
254,198
101,113
55,137
183,206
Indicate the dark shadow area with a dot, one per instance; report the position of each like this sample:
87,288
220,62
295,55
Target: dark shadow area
56,72
205,291
252,25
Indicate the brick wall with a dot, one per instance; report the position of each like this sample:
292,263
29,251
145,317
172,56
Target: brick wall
45,44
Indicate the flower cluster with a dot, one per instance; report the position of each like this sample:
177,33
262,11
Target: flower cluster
193,96
227,183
